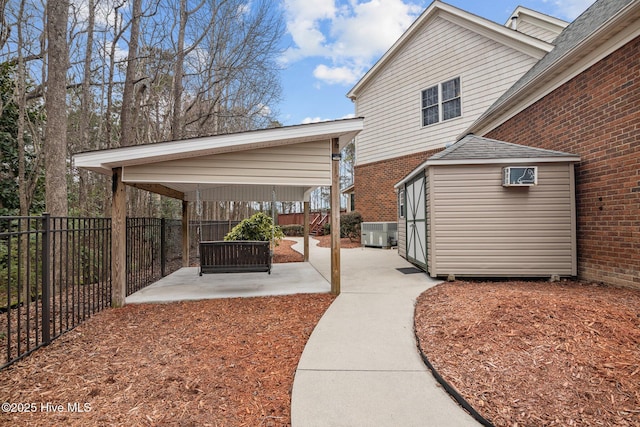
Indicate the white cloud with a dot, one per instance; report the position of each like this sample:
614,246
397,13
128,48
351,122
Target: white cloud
347,36
336,75
308,120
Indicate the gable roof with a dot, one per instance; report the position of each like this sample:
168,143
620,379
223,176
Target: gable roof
538,19
473,150
601,29
520,41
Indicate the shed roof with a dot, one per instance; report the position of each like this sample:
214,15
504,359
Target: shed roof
474,149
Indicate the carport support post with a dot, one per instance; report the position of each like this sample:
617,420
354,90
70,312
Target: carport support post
185,233
118,240
335,216
307,209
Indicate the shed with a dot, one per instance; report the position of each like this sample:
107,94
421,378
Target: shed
488,208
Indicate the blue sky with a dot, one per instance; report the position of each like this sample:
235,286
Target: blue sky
332,43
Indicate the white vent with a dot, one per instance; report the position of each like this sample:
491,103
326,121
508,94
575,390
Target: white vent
519,176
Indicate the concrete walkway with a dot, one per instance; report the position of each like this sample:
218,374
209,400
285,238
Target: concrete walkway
361,366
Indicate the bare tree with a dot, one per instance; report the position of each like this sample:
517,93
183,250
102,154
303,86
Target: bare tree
4,28
129,110
56,106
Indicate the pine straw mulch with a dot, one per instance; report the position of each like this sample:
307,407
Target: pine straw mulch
536,353
224,362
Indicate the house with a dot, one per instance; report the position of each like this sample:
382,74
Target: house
490,208
432,84
584,98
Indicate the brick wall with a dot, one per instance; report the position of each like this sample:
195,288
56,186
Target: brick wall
375,196
597,116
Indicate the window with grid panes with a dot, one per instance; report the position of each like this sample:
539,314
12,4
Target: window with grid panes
441,102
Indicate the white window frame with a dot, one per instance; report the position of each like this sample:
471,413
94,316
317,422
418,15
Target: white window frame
440,102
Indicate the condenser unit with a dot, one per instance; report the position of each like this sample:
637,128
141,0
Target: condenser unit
379,234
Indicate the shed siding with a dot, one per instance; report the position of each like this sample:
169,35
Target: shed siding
391,102
299,164
484,229
595,115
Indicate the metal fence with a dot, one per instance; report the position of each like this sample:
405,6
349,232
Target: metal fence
154,249
56,273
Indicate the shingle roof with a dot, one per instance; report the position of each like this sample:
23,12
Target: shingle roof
576,32
473,147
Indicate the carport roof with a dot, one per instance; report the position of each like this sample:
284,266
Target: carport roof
243,166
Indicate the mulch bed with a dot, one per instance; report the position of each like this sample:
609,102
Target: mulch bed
224,362
537,353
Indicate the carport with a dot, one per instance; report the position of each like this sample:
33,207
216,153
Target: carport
246,166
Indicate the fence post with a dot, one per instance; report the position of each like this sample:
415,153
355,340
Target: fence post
46,278
163,246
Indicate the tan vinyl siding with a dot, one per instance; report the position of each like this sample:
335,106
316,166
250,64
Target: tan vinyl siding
391,102
538,29
484,229
297,164
429,199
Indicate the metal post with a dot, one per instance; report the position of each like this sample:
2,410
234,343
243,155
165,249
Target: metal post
46,278
163,246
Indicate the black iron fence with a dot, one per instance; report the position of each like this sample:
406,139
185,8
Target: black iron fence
56,273
154,249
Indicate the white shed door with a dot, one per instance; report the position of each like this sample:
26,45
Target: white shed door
416,221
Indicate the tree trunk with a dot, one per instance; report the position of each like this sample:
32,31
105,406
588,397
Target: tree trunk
55,147
129,108
85,115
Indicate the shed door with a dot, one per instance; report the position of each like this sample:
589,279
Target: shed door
417,221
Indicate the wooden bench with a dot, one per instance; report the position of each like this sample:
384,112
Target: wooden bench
235,256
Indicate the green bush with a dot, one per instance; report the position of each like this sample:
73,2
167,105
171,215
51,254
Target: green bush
326,229
258,227
293,230
350,225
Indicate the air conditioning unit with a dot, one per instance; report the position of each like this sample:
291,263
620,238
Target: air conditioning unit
379,234
519,176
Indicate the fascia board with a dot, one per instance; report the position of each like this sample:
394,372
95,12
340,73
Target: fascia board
548,21
105,160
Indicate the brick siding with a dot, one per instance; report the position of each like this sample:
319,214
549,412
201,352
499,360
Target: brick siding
597,116
375,197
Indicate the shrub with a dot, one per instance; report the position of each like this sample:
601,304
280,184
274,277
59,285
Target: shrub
350,225
258,227
293,230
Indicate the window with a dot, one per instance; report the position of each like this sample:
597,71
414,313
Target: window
401,202
441,102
